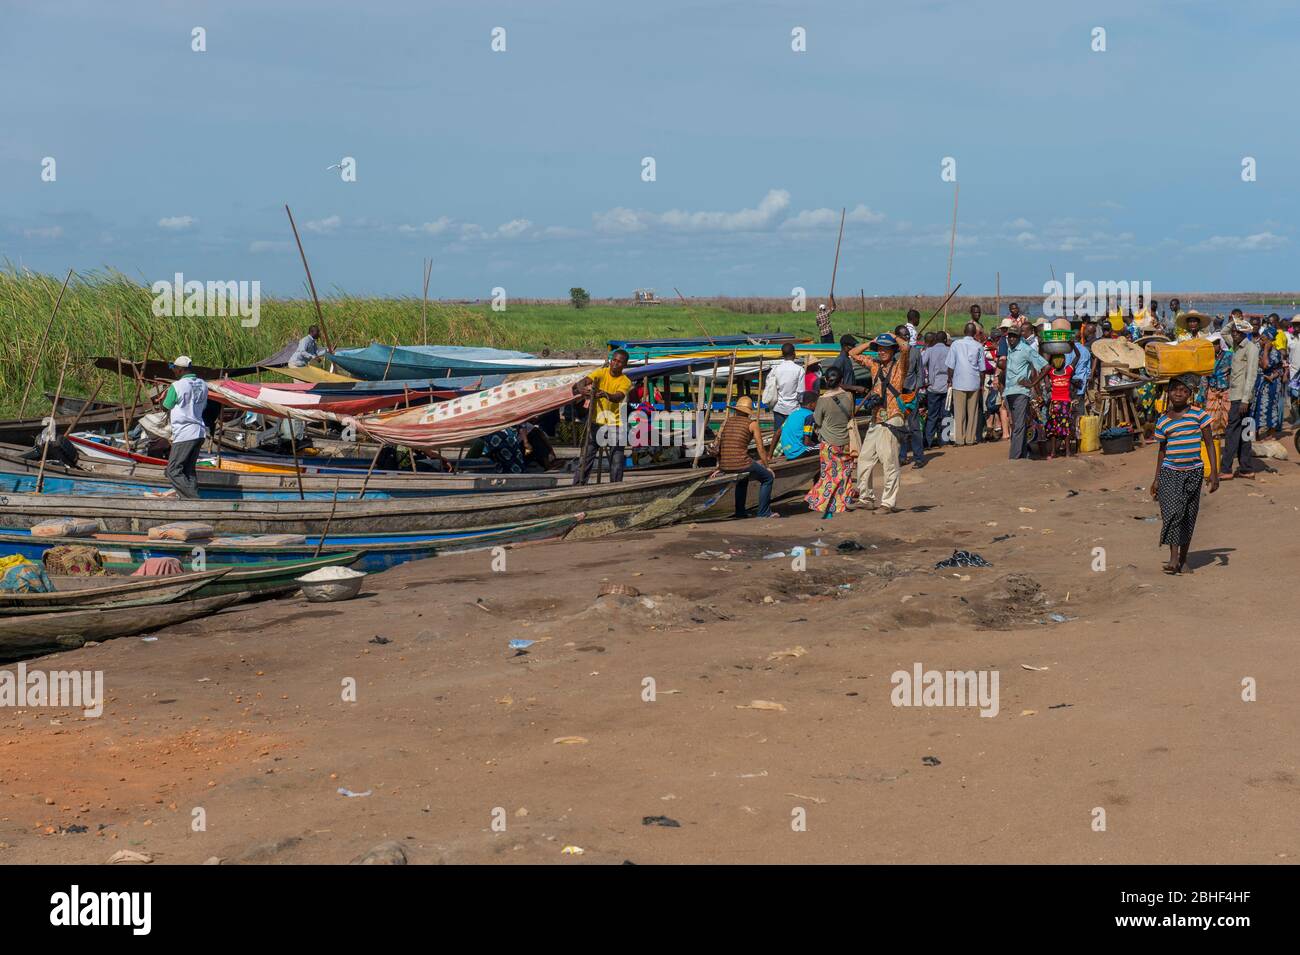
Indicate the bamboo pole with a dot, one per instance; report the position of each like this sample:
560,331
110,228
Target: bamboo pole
726,398
297,468
835,268
54,427
320,317
329,520
369,471
424,309
997,303
693,316
939,309
121,382
699,424
388,364
952,244
41,347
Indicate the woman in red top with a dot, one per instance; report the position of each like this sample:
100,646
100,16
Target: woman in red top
1060,408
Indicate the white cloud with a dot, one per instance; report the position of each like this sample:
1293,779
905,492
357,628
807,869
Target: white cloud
177,223
328,224
1258,242
45,232
514,228
262,246
437,226
767,213
1020,224
809,220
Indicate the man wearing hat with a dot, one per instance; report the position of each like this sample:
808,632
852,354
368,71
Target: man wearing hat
824,322
887,419
185,400
1241,392
1190,325
733,458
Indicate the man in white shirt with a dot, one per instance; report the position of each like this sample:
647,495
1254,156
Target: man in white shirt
966,368
185,400
307,349
783,388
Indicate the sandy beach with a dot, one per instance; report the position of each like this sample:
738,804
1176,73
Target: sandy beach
771,736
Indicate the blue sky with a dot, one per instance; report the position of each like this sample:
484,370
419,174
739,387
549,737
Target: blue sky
522,169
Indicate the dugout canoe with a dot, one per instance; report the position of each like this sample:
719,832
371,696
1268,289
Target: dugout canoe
261,579
122,553
104,592
24,431
132,479
32,634
453,512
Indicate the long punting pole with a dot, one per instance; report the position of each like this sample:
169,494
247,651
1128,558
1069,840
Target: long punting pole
40,349
726,398
297,468
121,384
952,243
329,520
836,267
320,317
863,293
940,308
424,308
54,427
693,315
997,305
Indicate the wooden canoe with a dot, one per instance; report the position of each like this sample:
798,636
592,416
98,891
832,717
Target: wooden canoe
122,553
462,511
33,634
261,579
103,591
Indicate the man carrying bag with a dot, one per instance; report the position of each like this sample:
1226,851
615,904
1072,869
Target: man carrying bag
887,406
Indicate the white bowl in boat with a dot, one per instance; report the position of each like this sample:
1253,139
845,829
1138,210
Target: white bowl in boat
331,583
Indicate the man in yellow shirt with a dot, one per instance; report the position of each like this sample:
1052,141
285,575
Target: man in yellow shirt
608,388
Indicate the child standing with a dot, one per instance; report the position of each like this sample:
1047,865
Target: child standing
1060,404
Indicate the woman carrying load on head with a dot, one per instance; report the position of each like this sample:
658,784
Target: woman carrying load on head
833,416
1182,430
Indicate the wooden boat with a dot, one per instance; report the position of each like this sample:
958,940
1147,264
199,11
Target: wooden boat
24,431
103,477
106,591
379,362
31,634
261,579
123,553
462,511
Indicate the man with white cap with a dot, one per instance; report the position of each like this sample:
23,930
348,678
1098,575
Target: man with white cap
824,322
1241,392
185,400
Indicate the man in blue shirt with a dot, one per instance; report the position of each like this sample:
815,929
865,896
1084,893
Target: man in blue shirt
797,427
1022,362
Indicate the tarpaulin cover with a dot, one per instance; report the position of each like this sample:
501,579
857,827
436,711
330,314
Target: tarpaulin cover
299,396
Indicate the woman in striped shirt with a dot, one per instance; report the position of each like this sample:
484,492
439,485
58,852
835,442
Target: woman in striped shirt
1181,431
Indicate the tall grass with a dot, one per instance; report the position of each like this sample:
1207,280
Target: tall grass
107,313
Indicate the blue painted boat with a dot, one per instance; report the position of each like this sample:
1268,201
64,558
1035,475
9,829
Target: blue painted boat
379,362
124,552
19,482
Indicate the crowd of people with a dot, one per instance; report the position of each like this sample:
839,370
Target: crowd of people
922,390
